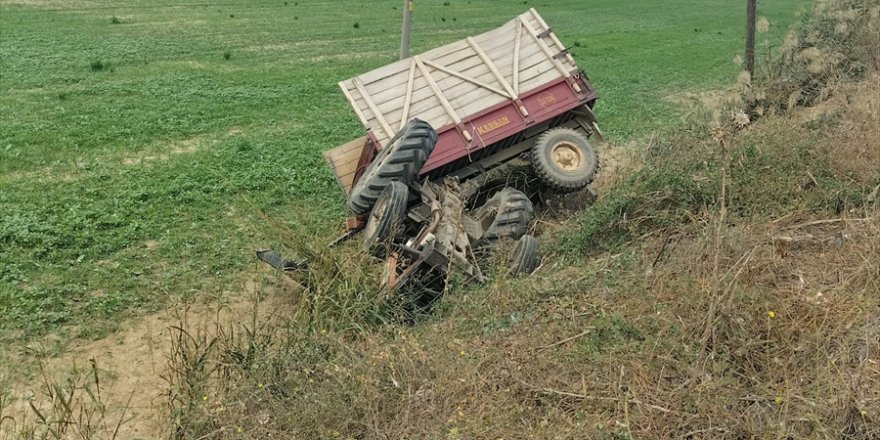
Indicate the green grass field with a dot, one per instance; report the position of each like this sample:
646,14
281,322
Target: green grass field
145,145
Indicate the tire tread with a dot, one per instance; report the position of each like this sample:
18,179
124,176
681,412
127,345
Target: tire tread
410,150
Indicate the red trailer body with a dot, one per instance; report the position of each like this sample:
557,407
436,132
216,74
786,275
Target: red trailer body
477,94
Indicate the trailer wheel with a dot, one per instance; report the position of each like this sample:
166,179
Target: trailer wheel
399,161
505,215
524,259
387,215
564,160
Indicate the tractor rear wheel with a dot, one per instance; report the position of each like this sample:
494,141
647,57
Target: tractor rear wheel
387,216
524,259
399,161
506,215
564,160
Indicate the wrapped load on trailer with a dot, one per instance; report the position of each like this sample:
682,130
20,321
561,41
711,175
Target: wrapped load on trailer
443,124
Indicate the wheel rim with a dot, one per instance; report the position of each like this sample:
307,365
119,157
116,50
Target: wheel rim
567,156
376,216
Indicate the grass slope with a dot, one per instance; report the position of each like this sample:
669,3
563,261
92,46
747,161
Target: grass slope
144,144
735,297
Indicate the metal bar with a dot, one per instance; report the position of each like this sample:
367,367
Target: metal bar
278,262
562,54
407,27
376,113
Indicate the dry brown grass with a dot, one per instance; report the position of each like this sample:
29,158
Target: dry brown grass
618,348
751,312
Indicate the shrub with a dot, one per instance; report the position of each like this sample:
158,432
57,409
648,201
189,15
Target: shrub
837,41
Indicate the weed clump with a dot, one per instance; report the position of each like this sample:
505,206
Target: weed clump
837,41
658,197
97,65
833,52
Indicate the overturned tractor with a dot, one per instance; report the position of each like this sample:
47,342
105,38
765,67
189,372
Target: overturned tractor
429,185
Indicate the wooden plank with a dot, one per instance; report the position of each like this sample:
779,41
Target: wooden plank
492,67
390,89
389,70
343,161
394,75
429,109
346,148
377,115
389,99
536,25
469,104
468,79
516,48
464,81
550,41
409,90
553,36
539,76
342,153
546,49
435,54
423,108
533,56
354,106
437,91
343,169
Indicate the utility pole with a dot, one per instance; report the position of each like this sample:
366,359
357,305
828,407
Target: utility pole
750,36
407,26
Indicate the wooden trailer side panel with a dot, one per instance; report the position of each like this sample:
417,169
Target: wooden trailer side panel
344,159
445,85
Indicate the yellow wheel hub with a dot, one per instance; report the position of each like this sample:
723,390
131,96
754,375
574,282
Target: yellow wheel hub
567,156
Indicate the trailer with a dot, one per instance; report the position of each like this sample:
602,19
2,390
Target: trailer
439,127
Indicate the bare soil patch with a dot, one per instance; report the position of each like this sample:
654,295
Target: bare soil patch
131,367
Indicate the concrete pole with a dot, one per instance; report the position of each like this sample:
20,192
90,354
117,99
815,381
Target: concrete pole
750,36
407,27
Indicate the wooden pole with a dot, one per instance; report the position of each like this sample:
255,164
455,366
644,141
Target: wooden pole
750,36
407,27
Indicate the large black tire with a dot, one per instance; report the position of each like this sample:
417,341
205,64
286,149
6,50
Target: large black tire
563,160
387,216
506,215
524,258
399,161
